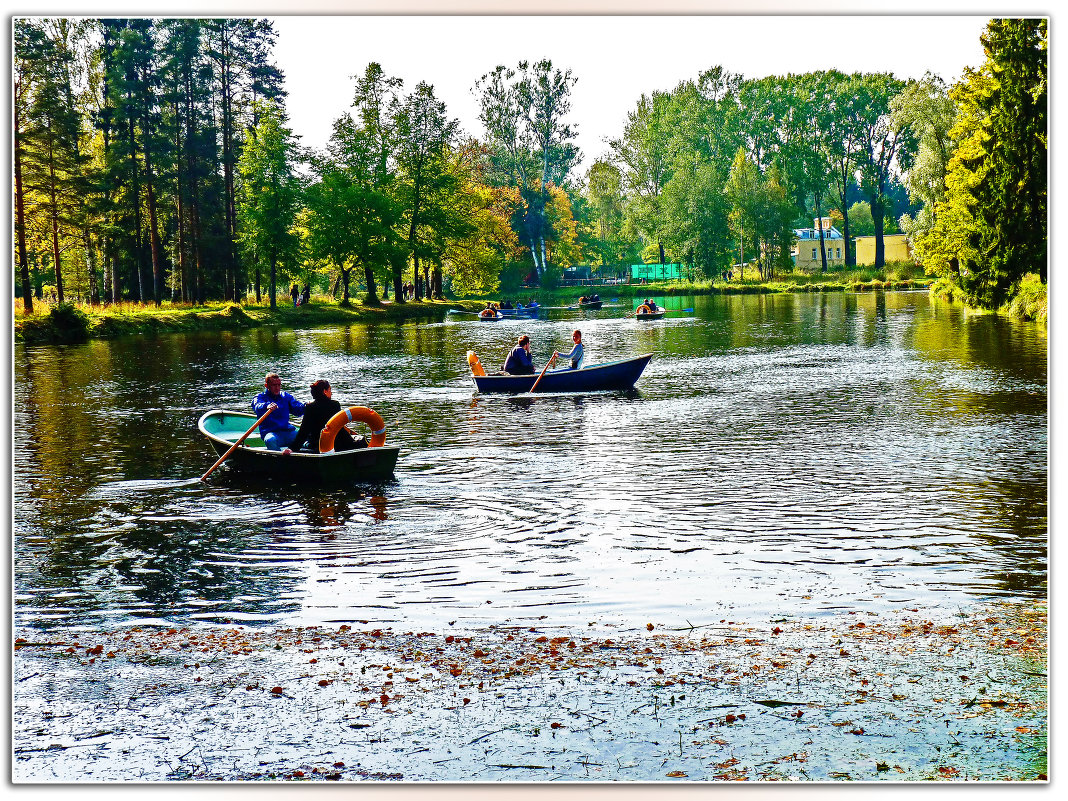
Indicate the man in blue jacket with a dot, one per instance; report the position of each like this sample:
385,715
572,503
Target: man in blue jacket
276,431
519,361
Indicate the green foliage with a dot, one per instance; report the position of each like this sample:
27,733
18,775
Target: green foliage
530,143
989,230
860,219
1030,302
269,194
64,323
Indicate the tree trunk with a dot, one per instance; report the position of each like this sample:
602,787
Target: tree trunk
274,275
819,223
439,293
372,293
415,280
136,189
20,222
877,214
153,223
53,207
90,265
850,255
344,279
226,80
660,245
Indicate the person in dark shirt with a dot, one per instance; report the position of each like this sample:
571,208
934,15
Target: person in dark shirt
316,415
519,361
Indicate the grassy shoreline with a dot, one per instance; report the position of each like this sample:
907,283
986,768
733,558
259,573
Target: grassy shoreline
73,323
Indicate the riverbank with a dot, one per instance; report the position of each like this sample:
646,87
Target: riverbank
855,697
68,323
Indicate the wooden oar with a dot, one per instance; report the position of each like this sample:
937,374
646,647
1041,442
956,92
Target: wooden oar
234,446
543,369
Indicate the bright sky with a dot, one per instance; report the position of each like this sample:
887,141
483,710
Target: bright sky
615,58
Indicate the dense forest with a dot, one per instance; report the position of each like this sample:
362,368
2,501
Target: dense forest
154,162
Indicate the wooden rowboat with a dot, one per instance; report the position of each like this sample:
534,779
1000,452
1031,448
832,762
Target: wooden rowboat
595,378
593,304
223,428
650,315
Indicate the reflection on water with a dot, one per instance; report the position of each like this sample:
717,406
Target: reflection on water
799,453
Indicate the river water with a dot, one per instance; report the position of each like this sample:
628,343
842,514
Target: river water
781,456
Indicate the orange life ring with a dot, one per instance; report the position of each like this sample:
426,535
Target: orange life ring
643,309
353,414
487,313
475,364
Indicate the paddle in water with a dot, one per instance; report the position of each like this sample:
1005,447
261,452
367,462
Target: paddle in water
240,439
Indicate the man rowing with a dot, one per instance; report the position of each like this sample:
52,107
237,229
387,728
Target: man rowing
276,431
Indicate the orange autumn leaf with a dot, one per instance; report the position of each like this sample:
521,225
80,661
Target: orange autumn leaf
676,774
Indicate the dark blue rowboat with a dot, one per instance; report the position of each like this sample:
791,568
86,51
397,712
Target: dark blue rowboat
611,375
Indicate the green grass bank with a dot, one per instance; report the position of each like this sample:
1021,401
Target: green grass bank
71,323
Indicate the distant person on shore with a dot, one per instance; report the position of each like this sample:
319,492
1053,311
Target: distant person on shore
519,361
305,296
276,430
316,415
574,358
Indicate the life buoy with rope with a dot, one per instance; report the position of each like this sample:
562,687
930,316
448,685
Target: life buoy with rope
487,313
353,414
643,309
475,364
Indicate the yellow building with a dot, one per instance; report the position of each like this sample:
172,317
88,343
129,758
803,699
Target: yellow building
806,252
896,249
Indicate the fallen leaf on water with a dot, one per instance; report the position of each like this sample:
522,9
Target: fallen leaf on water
676,774
277,690
650,627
